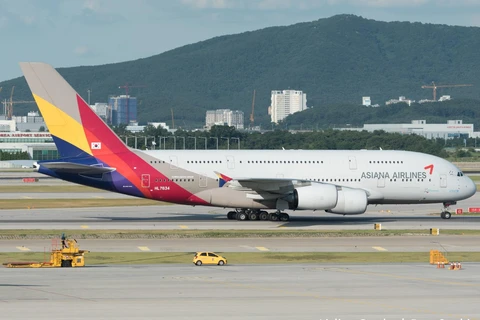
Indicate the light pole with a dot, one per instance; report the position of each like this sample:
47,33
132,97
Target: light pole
194,142
216,140
205,141
183,142
228,142
174,142
89,96
146,141
238,139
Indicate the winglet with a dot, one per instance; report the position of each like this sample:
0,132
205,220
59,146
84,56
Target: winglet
222,179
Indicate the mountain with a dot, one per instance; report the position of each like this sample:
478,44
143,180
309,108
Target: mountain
335,61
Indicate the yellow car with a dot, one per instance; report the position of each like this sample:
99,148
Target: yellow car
208,258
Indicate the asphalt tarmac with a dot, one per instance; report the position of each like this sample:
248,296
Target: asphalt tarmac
314,291
287,291
187,217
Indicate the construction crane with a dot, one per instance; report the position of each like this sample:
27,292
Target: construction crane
252,118
127,87
434,87
8,105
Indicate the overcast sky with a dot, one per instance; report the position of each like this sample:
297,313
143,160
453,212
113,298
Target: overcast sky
89,32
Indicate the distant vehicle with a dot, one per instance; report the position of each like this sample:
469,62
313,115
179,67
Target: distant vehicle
208,258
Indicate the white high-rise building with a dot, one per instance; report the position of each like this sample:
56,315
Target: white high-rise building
223,117
366,101
101,109
286,102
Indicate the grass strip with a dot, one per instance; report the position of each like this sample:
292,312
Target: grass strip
192,234
32,188
115,258
74,203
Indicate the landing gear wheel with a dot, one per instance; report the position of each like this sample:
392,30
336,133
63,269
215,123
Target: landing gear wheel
284,217
445,213
241,216
231,215
263,215
273,217
253,215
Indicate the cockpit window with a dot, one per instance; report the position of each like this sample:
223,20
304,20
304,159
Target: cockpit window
460,174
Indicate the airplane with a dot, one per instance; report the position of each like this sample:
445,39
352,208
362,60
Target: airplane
250,182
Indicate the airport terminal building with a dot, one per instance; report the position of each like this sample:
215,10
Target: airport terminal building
39,145
451,129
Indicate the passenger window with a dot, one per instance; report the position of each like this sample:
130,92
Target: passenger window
212,255
204,254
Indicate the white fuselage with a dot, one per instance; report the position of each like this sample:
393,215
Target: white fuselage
386,176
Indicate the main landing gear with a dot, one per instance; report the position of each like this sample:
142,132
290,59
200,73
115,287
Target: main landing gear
255,214
445,214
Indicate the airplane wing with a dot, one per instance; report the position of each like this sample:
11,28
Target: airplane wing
75,168
263,188
267,188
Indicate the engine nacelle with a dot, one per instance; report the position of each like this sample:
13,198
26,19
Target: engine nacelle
314,197
350,201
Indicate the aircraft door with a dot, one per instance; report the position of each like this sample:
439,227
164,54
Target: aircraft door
230,162
202,181
443,181
381,183
173,162
352,163
145,181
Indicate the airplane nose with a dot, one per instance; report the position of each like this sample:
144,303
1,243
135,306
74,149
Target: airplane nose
471,188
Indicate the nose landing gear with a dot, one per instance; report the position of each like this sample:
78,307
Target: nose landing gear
445,214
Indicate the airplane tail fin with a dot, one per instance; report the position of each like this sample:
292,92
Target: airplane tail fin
77,131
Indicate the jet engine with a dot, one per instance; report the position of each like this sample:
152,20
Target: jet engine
350,201
314,197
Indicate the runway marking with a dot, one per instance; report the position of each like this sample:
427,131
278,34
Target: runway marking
26,197
247,247
22,248
183,227
262,248
99,197
144,248
84,227
379,249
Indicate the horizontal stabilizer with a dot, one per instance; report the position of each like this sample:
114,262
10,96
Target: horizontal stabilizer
75,168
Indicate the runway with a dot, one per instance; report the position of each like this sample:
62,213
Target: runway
314,291
187,217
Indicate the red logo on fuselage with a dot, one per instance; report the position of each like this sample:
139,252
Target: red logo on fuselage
429,167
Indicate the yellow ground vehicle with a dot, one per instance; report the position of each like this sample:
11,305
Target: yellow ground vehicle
205,257
66,255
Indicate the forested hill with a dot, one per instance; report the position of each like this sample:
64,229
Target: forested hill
334,60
